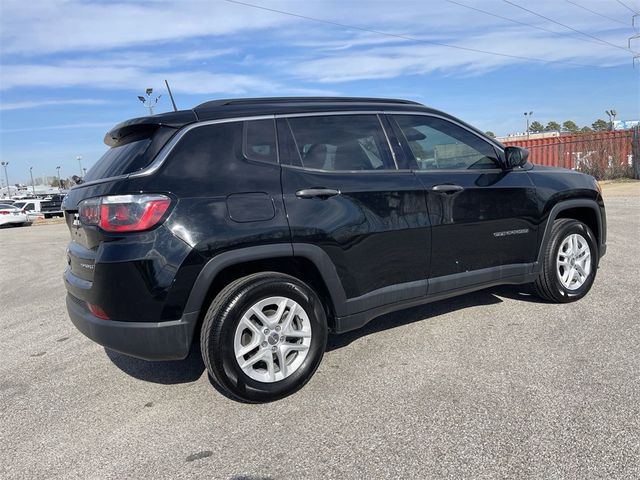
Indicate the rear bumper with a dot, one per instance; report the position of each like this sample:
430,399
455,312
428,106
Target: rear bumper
169,340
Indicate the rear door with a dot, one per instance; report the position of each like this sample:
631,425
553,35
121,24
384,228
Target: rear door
344,194
483,217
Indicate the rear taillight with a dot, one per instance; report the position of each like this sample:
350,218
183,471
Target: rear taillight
97,311
124,213
4,212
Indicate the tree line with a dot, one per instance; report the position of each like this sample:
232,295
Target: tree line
568,126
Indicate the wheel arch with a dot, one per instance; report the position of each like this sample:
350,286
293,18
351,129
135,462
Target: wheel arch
306,262
584,210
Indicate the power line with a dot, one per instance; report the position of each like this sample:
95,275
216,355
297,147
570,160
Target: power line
597,13
522,23
627,6
565,26
406,37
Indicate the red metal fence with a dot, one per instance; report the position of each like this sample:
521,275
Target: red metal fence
603,154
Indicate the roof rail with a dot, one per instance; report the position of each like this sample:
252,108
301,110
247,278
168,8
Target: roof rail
267,100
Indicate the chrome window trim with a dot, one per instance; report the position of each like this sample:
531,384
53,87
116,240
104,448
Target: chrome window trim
330,172
168,148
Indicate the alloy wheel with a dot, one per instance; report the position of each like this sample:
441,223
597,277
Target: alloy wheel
272,339
573,262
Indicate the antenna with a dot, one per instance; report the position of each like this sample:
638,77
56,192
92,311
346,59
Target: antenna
175,109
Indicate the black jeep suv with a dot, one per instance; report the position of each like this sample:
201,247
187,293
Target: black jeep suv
259,225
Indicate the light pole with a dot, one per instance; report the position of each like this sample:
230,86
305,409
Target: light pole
613,114
149,102
612,117
6,176
79,158
33,186
527,116
59,179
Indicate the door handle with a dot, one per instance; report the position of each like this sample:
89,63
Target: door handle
447,188
317,193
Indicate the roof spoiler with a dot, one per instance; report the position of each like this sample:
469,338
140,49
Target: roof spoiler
142,127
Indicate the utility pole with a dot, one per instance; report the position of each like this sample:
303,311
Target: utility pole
6,176
149,102
527,116
79,158
59,179
634,37
33,186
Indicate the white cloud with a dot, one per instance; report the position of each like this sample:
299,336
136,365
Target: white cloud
364,61
66,126
44,26
128,78
116,46
48,103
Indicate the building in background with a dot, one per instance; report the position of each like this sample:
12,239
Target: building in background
511,137
625,124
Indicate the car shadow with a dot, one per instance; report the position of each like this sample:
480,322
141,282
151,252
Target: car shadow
523,293
166,372
405,317
191,368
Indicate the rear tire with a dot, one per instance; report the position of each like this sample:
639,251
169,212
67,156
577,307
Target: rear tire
263,337
569,262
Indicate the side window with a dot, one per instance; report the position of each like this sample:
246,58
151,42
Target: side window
259,142
439,144
29,206
339,142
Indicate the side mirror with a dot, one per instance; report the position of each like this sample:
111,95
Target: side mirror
515,157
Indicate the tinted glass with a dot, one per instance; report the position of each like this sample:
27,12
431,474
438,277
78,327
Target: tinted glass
440,144
260,140
121,160
340,142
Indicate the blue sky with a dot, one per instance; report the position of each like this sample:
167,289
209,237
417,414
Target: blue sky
71,69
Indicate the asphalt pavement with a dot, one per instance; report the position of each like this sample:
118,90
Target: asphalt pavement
495,384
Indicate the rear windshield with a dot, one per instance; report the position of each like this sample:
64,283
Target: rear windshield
121,160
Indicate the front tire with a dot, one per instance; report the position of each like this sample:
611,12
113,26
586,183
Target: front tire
569,264
263,337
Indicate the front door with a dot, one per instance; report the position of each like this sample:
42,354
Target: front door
343,193
482,216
